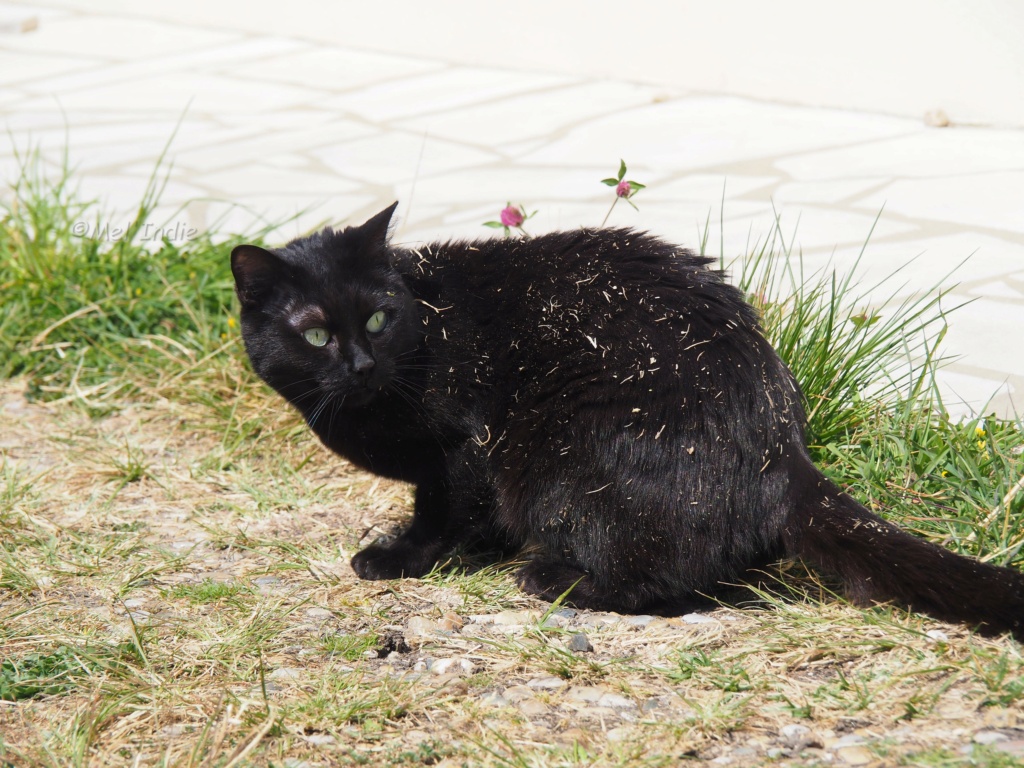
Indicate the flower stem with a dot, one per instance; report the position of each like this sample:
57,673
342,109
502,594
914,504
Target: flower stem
609,212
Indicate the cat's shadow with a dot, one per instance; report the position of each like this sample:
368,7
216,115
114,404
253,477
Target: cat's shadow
785,582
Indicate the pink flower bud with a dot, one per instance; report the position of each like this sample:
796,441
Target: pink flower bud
623,189
511,216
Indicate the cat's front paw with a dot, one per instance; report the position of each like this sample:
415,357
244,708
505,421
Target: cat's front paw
394,562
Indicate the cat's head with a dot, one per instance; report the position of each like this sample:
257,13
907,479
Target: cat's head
327,319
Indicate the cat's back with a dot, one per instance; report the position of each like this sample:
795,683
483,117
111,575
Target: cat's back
563,281
589,314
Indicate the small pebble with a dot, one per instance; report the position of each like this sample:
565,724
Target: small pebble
989,737
938,635
936,118
319,739
446,666
855,755
795,735
590,693
494,699
532,707
639,621
548,683
450,622
698,618
516,693
849,740
318,613
615,701
421,626
580,643
285,673
653,704
514,618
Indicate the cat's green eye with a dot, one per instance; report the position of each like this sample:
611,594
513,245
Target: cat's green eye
318,337
377,322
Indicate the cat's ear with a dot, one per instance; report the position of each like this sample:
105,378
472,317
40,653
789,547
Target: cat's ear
375,230
256,272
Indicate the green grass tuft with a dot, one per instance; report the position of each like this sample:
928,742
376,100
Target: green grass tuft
88,317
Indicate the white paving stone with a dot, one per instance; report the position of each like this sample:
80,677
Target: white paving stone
158,66
260,180
290,215
821,192
113,38
927,153
535,114
699,132
118,196
116,131
962,257
987,200
807,227
966,394
396,156
748,225
438,92
179,93
332,69
709,187
9,98
989,330
258,145
28,66
997,290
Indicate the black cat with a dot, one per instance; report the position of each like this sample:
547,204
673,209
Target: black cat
598,398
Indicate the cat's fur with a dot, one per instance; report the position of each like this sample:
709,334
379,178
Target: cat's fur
598,398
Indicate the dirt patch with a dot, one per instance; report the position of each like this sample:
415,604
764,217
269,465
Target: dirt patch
186,599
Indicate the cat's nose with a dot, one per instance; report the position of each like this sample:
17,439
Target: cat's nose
362,364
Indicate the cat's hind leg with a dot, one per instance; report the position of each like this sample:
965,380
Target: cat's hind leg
551,579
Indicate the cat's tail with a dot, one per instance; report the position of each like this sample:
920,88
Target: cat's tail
878,562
